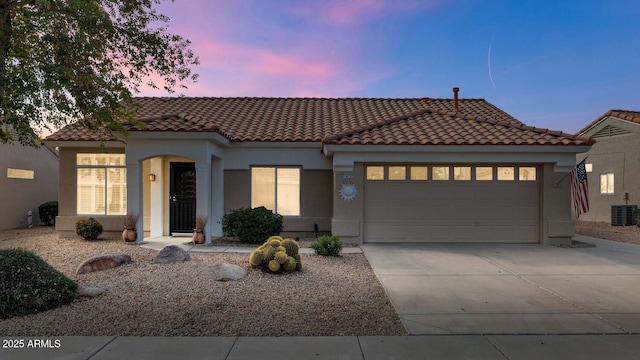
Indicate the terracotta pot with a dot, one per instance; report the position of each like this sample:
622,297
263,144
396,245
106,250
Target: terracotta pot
198,236
129,234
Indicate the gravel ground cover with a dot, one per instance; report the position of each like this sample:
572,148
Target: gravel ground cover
329,297
603,230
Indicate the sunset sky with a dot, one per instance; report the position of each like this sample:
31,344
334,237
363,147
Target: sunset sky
551,64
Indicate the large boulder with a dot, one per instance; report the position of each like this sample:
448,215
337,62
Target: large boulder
226,272
171,253
103,262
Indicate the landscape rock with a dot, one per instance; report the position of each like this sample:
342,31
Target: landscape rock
89,292
103,262
171,253
226,272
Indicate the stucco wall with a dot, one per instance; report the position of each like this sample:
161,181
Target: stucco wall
21,195
619,155
557,225
315,199
67,203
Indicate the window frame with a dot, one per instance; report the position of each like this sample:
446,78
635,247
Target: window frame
610,183
275,192
105,169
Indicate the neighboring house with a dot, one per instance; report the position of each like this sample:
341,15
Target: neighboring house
613,163
28,178
366,170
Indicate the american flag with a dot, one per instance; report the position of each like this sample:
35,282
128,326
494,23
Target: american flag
580,189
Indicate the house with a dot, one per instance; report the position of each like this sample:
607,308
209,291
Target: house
612,163
364,169
28,178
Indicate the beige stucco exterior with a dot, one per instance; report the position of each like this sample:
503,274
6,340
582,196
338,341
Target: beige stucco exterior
67,208
223,178
315,200
616,152
28,178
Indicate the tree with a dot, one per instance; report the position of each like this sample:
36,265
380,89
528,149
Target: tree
65,61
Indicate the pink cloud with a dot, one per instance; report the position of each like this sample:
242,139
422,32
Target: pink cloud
245,52
340,12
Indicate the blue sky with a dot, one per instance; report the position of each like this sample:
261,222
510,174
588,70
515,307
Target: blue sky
551,64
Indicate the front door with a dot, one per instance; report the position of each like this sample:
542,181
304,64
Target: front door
182,200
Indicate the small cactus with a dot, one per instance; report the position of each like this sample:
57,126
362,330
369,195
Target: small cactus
291,246
274,265
290,265
275,242
268,254
281,248
298,262
280,257
255,259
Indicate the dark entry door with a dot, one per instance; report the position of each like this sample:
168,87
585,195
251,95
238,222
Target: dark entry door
182,201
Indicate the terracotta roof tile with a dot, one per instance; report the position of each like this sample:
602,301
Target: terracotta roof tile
628,115
339,121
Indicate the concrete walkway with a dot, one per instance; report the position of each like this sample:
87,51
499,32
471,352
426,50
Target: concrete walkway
466,301
157,243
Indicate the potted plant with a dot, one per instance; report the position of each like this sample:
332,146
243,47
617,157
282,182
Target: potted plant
198,232
129,221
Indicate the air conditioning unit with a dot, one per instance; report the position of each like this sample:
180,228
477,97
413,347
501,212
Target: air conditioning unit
623,215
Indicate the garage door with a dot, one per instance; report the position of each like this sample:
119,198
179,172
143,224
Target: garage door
451,203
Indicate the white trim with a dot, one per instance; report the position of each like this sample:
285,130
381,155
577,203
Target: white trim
177,135
591,130
277,144
331,149
84,144
562,158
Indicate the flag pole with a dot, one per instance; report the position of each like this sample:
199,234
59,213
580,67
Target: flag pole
557,183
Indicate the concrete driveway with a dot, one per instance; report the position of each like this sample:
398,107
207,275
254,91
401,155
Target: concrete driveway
511,289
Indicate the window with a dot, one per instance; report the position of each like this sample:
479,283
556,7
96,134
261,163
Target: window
484,173
19,174
101,184
277,189
462,173
375,172
588,167
606,183
527,173
419,173
397,173
506,173
440,173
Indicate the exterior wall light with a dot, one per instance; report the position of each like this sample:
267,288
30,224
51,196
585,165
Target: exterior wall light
152,177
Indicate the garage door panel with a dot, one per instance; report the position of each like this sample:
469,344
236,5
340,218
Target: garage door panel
446,233
451,211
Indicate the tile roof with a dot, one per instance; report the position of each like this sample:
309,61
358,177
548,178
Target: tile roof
628,115
336,120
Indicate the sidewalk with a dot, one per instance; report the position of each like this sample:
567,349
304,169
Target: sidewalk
512,347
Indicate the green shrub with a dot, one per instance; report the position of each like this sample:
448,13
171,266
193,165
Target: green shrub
252,225
48,212
88,229
327,245
28,284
